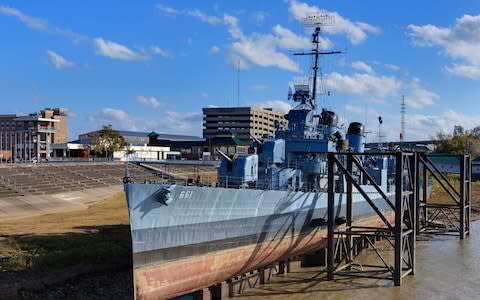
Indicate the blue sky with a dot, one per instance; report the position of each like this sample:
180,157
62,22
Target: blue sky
143,65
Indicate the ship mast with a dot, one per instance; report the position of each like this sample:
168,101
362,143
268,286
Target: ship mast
317,20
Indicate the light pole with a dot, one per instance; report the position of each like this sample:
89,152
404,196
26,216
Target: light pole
380,121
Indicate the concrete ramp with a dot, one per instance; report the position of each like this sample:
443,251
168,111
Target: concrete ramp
33,205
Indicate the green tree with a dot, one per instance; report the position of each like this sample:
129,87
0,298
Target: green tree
459,142
107,141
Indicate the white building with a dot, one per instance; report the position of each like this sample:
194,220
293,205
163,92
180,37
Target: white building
142,153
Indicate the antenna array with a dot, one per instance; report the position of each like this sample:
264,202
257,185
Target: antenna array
318,19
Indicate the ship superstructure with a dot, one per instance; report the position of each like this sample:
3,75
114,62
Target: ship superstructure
295,159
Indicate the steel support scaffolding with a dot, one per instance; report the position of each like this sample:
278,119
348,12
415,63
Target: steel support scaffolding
397,220
450,215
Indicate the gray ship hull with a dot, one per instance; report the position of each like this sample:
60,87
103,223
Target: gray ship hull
185,238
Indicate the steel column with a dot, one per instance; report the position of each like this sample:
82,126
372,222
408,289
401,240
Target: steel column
330,209
397,275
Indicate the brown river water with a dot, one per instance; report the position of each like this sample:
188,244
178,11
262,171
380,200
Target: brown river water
446,268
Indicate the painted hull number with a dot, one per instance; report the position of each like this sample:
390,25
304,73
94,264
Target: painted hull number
185,194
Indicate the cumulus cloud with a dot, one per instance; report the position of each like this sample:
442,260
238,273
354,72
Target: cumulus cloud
418,96
469,71
460,42
40,24
363,84
59,61
421,126
360,65
277,105
356,32
116,117
255,48
170,121
116,51
148,101
181,122
418,126
263,49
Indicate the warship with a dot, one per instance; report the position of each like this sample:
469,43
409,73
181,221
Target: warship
268,204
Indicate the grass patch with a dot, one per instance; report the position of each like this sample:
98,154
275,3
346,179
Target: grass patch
440,196
107,246
97,235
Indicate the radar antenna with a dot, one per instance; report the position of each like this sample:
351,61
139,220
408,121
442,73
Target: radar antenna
317,20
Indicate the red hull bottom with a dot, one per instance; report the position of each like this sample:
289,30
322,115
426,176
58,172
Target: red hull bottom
180,277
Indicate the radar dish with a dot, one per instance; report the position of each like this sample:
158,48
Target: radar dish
318,19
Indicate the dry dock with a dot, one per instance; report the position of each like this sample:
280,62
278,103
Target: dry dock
447,268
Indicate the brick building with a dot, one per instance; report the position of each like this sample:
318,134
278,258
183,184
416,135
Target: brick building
29,138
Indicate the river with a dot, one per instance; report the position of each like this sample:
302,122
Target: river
446,268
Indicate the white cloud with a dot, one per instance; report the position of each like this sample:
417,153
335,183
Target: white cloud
469,71
356,32
259,17
170,121
31,22
115,51
214,50
236,60
148,101
181,122
167,10
157,50
356,108
419,97
116,117
392,67
212,20
204,95
363,84
233,27
40,24
258,49
427,126
277,105
288,40
360,65
262,49
460,42
59,61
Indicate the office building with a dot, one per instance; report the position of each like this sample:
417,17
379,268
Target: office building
243,121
